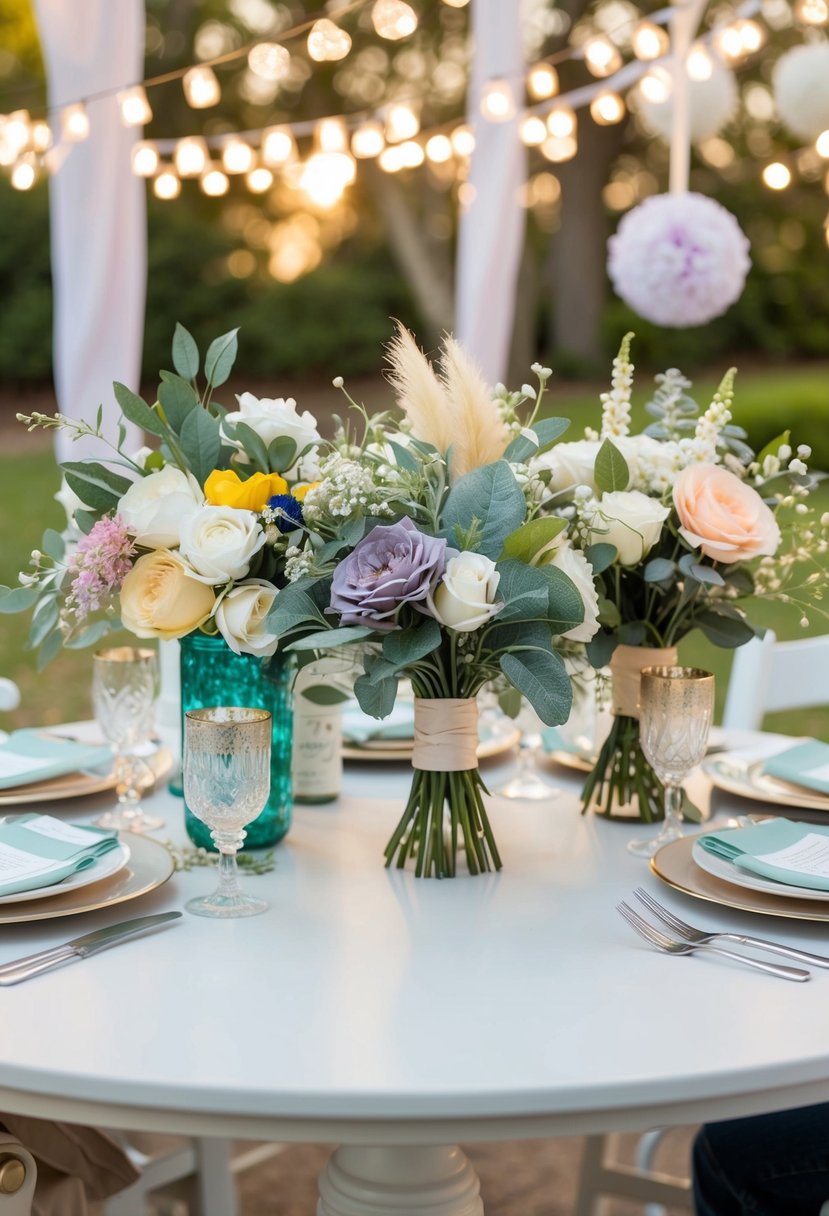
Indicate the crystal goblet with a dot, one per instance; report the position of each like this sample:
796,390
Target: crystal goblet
124,689
527,784
676,705
227,779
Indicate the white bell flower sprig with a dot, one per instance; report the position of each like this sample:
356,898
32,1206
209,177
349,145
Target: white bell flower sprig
616,403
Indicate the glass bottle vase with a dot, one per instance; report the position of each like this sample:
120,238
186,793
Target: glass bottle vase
211,674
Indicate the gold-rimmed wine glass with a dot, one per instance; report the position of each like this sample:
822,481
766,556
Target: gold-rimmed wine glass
676,705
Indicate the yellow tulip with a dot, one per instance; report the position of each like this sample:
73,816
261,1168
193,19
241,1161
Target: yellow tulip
224,488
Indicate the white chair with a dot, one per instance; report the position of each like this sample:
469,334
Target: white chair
640,1183
9,694
18,1177
768,676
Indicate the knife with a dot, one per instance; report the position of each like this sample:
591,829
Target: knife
80,947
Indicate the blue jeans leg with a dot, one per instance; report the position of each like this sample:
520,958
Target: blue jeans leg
767,1165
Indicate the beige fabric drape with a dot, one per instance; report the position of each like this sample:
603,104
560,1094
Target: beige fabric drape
445,734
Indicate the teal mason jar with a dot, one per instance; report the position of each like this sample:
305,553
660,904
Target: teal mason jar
211,674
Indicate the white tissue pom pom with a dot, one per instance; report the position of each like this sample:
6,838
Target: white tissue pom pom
713,103
801,89
679,259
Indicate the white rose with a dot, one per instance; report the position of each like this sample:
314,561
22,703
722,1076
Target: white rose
154,507
242,614
629,520
273,418
219,542
575,565
464,598
569,464
140,456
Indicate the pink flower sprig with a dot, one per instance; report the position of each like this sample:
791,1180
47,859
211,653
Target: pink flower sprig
100,564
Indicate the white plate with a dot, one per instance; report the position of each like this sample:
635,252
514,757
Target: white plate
720,868
104,867
738,776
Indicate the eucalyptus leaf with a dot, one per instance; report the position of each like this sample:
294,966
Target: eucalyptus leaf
200,443
296,607
601,556
254,446
177,399
330,639
632,633
509,702
524,591
324,694
376,698
220,357
281,454
609,615
96,486
185,353
135,409
490,496
707,574
53,544
403,647
85,520
611,470
545,431
722,630
17,599
44,619
89,636
773,446
542,678
658,570
403,457
599,649
51,647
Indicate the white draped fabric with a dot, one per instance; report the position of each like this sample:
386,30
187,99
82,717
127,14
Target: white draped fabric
492,222
98,211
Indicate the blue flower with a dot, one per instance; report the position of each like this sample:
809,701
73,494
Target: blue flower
287,511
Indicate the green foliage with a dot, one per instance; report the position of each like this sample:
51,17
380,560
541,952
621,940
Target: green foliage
489,497
611,469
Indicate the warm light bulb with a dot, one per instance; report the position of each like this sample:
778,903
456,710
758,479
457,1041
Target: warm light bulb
332,135
439,149
259,180
402,122
699,64
269,61
822,145
237,156
324,177
190,156
560,148
729,43
144,159
812,12
135,108
166,185
74,123
752,35
607,109
368,140
278,146
201,87
326,41
17,131
561,122
214,183
456,3
533,131
463,140
393,19
656,85
497,101
649,40
23,175
542,81
391,159
777,176
41,136
601,55
412,154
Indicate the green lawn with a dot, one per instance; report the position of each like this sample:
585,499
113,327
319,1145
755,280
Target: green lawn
768,402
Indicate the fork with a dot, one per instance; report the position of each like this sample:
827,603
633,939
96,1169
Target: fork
690,934
670,946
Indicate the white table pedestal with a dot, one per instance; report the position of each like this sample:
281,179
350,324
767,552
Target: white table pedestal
411,1181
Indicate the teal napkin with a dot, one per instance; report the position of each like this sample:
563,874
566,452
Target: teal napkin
35,755
794,853
38,851
360,728
806,765
552,740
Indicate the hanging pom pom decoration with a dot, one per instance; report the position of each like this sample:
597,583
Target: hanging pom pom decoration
713,103
801,89
679,259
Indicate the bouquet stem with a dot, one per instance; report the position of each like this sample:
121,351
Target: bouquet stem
444,815
622,775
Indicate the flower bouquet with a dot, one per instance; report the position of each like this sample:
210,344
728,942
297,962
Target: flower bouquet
682,525
424,547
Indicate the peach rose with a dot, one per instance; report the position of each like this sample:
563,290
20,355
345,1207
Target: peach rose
723,516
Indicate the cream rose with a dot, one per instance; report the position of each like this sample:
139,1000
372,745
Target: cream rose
219,543
275,417
160,598
242,614
629,520
154,507
575,565
464,599
569,464
723,516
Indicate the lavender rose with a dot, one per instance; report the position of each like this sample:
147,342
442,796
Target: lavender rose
393,565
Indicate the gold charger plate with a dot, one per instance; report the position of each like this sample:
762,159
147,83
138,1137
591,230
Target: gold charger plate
77,785
748,781
574,760
675,866
149,866
386,750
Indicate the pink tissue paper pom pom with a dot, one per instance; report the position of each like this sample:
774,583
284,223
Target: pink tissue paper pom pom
679,259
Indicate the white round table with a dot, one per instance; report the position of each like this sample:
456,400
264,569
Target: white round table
398,1016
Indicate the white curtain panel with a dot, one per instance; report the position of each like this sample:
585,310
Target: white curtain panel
98,212
492,222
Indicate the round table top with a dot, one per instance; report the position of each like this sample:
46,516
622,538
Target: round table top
369,1005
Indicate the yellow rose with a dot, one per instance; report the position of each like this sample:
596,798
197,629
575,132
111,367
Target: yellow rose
224,488
299,492
160,599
